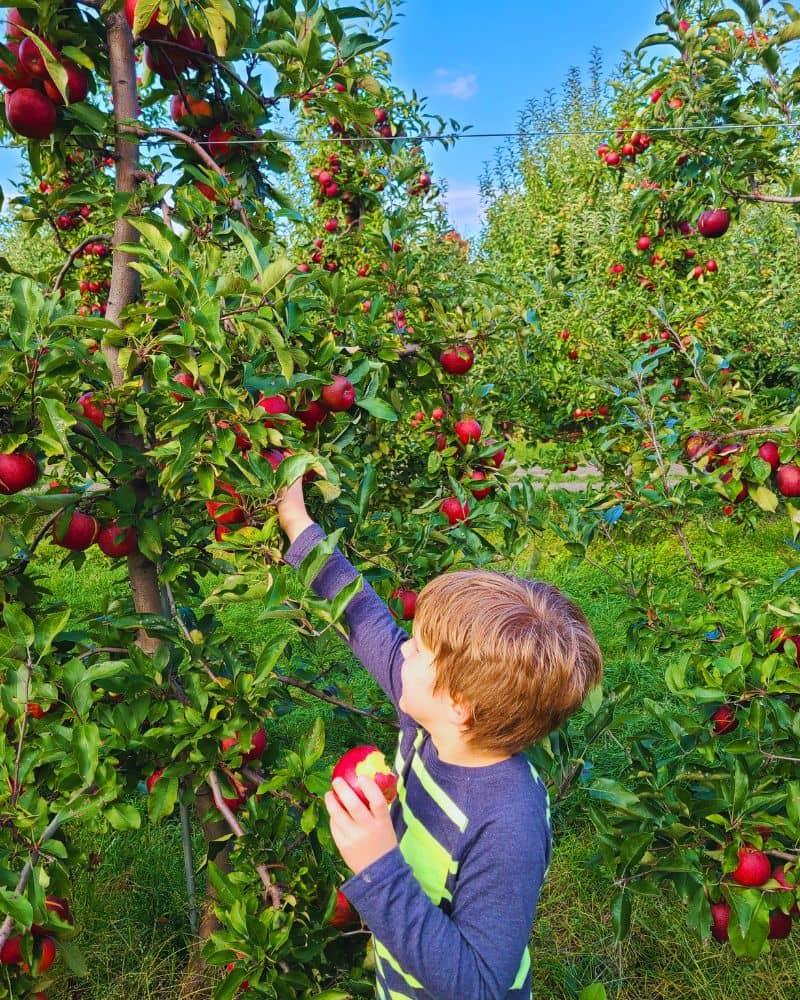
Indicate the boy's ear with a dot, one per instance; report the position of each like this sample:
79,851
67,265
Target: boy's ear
462,713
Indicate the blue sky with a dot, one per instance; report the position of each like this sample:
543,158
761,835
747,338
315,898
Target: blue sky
481,63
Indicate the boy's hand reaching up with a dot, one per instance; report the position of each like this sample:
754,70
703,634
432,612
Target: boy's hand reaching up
292,513
362,833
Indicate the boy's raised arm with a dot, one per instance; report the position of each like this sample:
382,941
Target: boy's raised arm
375,638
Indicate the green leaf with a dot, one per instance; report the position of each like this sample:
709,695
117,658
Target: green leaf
48,627
594,992
162,798
377,408
122,816
751,8
16,906
268,659
166,244
346,594
19,625
144,14
368,482
86,744
313,744
621,914
764,497
788,33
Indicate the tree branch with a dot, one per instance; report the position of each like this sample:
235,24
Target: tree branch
310,689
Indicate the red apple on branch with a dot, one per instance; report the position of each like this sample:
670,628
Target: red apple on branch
779,633
339,396
30,113
256,747
714,222
724,720
408,601
11,952
343,913
483,491
31,58
780,926
788,480
457,360
368,761
754,867
720,918
225,511
454,510
768,451
153,778
115,541
93,411
467,430
18,471
75,531
184,378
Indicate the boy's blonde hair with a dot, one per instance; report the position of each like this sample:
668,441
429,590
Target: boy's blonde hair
519,652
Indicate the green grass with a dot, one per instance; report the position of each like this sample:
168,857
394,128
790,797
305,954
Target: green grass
131,907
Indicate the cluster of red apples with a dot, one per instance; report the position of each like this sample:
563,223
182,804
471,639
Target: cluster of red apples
74,529
338,396
703,449
625,146
168,54
241,787
33,97
43,941
755,870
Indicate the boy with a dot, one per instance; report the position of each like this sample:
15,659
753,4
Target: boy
447,879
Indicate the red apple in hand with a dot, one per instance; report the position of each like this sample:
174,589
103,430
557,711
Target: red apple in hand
18,471
369,761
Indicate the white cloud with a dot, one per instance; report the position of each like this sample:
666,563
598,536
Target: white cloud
464,208
461,87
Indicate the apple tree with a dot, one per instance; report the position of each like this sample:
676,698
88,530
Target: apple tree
192,348
701,425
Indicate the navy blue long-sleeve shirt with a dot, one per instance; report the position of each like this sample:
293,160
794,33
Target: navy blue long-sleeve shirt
450,908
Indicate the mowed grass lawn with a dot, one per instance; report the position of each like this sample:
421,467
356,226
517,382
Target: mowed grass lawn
131,906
